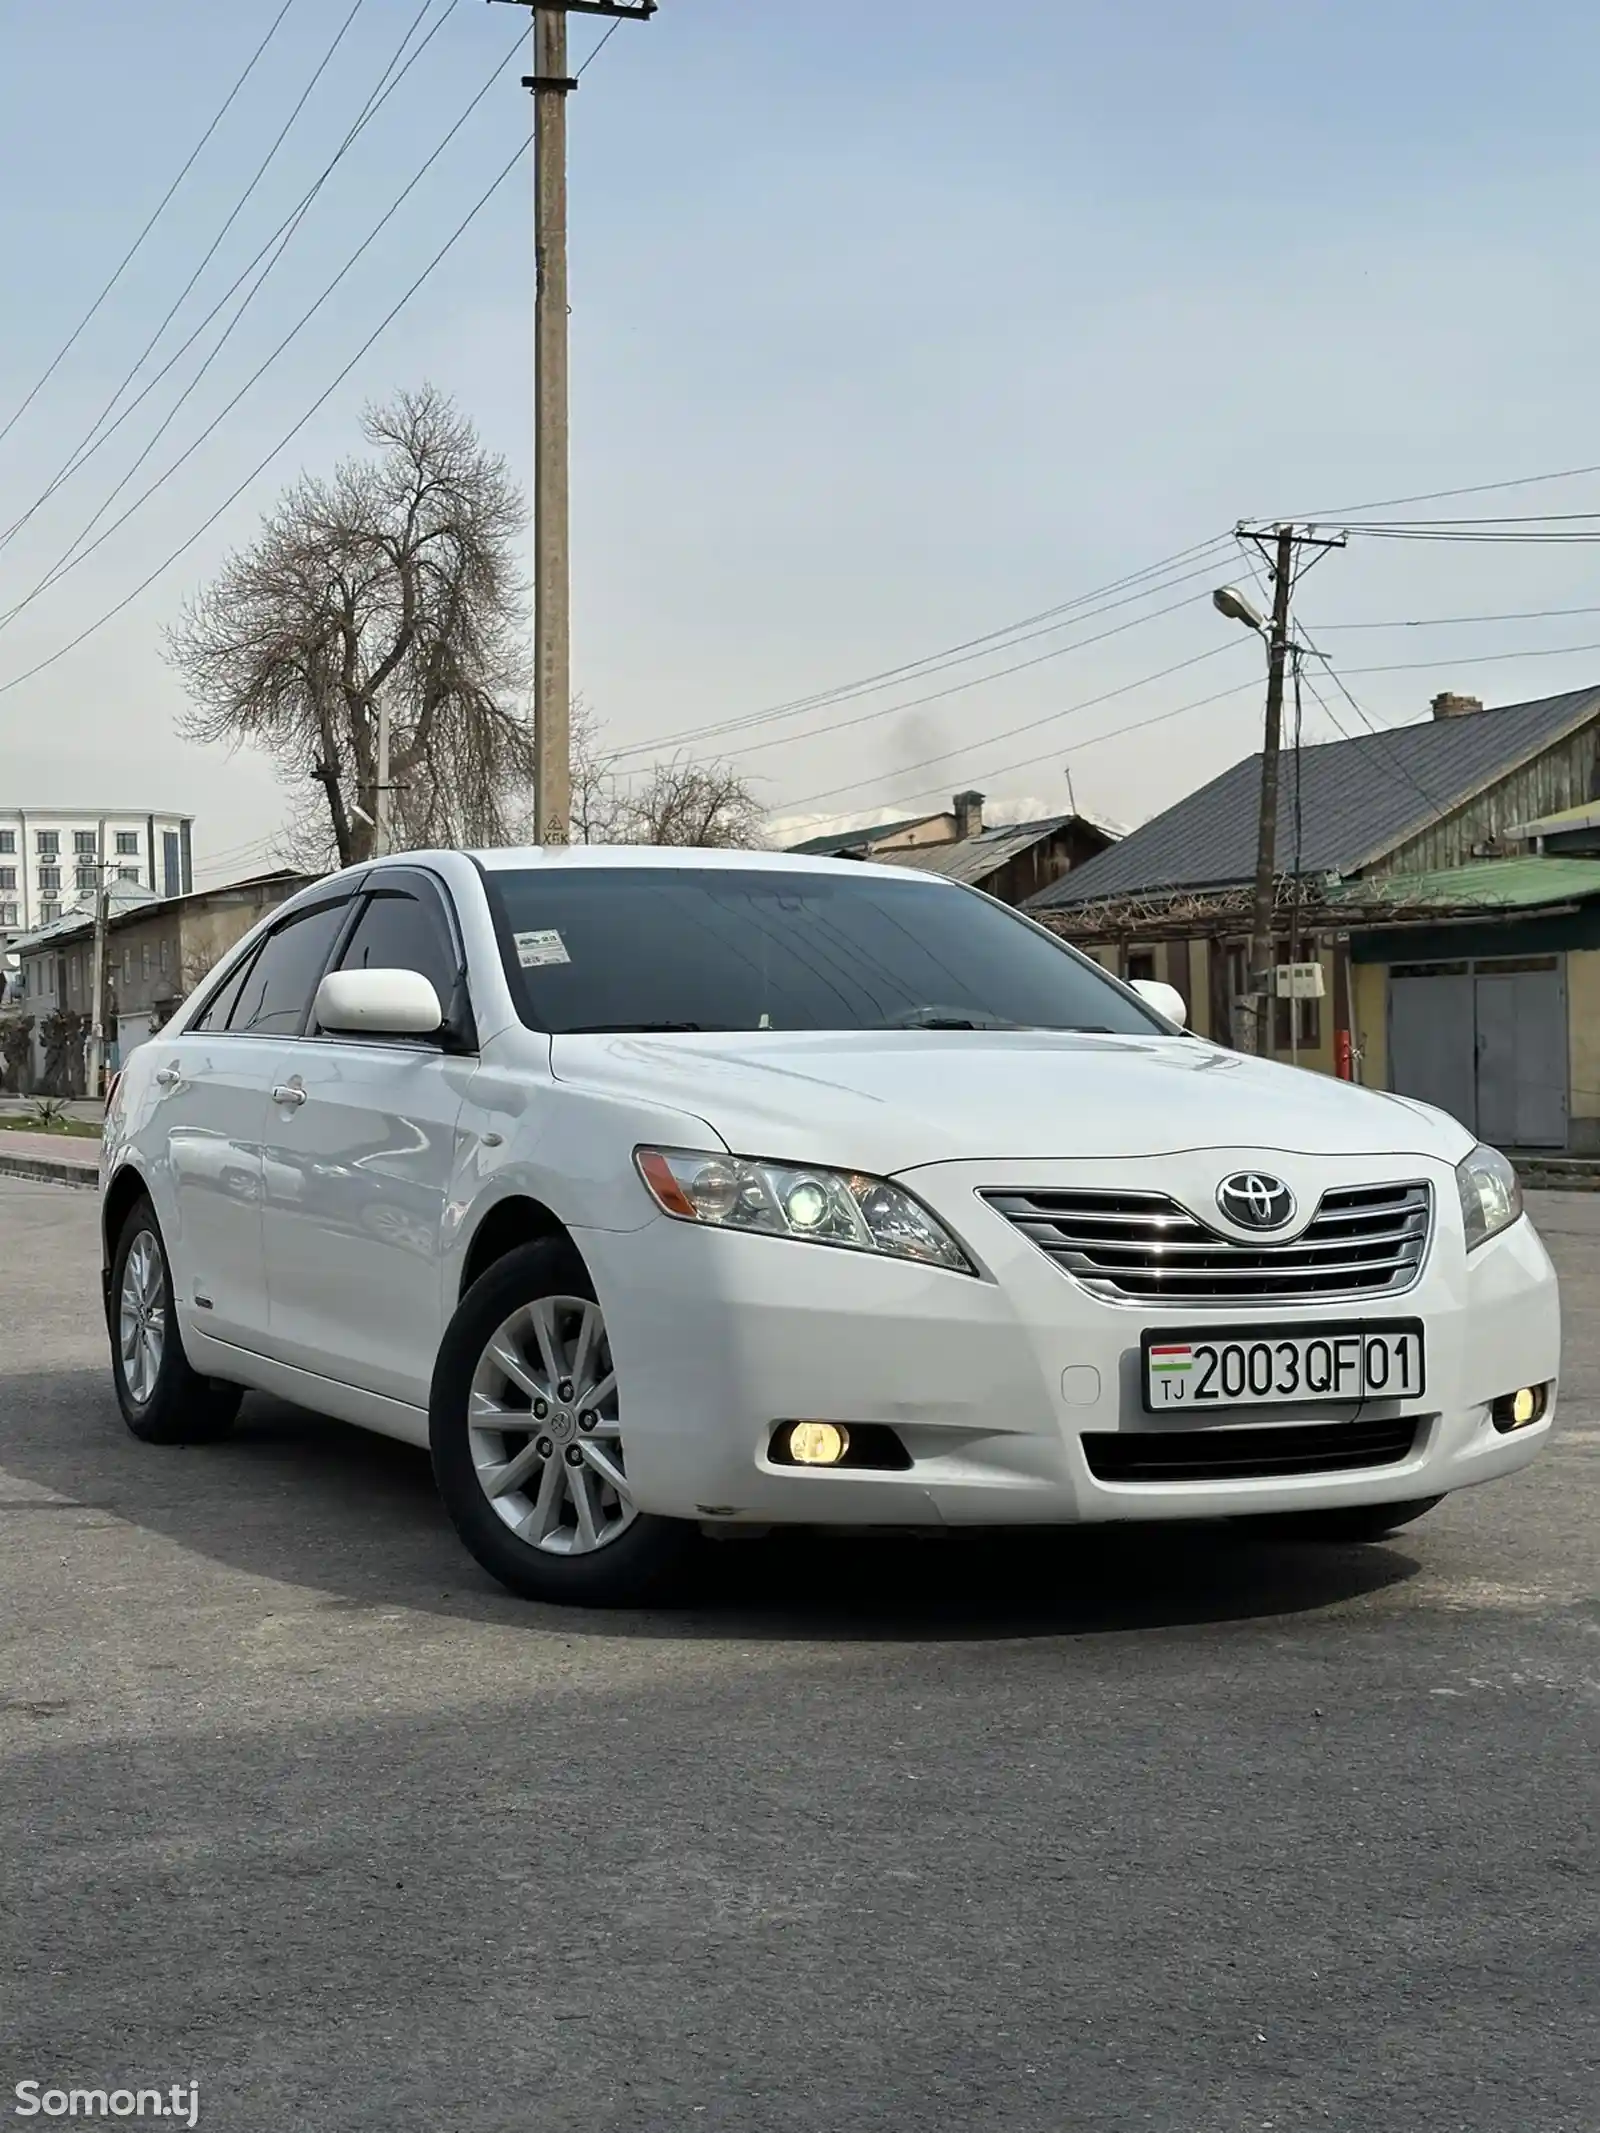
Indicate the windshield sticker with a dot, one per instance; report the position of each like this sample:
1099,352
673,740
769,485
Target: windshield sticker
536,951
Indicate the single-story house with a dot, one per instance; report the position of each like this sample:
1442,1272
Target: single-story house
157,951
1412,864
1011,861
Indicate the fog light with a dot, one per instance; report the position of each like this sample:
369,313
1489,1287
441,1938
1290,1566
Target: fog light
817,1443
1515,1410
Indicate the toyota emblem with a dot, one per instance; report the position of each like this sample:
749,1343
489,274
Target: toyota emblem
1254,1200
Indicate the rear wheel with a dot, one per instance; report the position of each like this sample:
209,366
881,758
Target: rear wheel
1363,1522
163,1399
527,1434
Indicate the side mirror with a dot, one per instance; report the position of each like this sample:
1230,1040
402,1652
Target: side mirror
377,1003
1165,999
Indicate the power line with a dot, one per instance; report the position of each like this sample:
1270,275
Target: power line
70,562
128,257
600,47
1481,536
99,435
978,681
173,412
1439,622
1441,496
1437,808
1032,725
284,441
1521,518
926,669
1003,638
1548,651
1114,733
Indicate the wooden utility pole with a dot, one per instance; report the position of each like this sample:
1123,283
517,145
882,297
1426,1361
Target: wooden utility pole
552,569
1263,929
1258,978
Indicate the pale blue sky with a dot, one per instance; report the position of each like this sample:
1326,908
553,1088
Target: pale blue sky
888,328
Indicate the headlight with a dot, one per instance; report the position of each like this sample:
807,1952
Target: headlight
1491,1194
841,1207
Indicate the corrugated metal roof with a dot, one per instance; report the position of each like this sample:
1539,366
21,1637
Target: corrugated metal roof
975,858
1361,798
121,898
1495,884
125,899
851,840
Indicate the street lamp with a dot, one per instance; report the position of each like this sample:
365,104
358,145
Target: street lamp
1229,601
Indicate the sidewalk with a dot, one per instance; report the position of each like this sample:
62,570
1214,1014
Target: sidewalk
54,1158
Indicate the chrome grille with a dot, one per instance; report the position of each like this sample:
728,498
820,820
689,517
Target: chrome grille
1141,1247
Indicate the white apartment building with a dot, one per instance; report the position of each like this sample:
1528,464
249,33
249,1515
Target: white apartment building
48,858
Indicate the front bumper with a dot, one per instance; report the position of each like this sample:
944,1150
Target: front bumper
992,1384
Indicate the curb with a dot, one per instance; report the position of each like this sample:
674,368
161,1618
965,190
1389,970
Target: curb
45,1170
1556,1176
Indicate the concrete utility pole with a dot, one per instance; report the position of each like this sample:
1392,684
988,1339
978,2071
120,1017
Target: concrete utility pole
382,837
552,570
96,1062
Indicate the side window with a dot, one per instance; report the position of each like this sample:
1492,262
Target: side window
214,1015
403,932
276,994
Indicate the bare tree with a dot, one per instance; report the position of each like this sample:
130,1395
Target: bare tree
394,581
678,801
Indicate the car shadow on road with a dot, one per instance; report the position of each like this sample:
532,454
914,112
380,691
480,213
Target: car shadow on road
354,1517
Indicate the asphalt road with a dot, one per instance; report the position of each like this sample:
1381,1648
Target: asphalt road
1140,1831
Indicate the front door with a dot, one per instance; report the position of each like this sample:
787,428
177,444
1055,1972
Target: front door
359,1152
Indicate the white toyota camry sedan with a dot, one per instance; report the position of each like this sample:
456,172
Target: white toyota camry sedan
657,1191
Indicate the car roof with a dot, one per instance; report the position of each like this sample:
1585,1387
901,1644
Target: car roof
682,858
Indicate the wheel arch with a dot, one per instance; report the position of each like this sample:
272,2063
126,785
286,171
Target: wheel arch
128,1185
515,1220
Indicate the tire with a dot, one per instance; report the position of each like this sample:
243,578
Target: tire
536,1311
163,1399
1364,1522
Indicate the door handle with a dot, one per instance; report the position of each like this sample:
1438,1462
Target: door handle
168,1077
289,1092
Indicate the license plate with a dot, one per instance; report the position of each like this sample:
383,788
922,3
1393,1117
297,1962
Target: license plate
1276,1366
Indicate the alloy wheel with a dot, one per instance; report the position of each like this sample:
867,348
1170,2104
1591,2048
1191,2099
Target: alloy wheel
544,1431
142,1317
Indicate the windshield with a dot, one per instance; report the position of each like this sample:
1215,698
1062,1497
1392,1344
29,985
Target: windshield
659,948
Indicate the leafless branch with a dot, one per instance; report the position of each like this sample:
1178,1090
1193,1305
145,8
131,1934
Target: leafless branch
393,581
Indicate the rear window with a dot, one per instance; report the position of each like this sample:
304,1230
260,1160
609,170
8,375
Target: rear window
598,948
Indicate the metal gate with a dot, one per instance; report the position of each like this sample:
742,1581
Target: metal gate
1486,1040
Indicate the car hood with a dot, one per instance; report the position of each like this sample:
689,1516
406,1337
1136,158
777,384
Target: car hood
891,1100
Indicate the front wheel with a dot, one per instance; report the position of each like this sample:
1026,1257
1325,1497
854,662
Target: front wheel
1363,1522
526,1429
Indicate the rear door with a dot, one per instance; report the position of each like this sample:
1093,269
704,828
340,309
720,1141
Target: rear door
214,1082
360,1148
